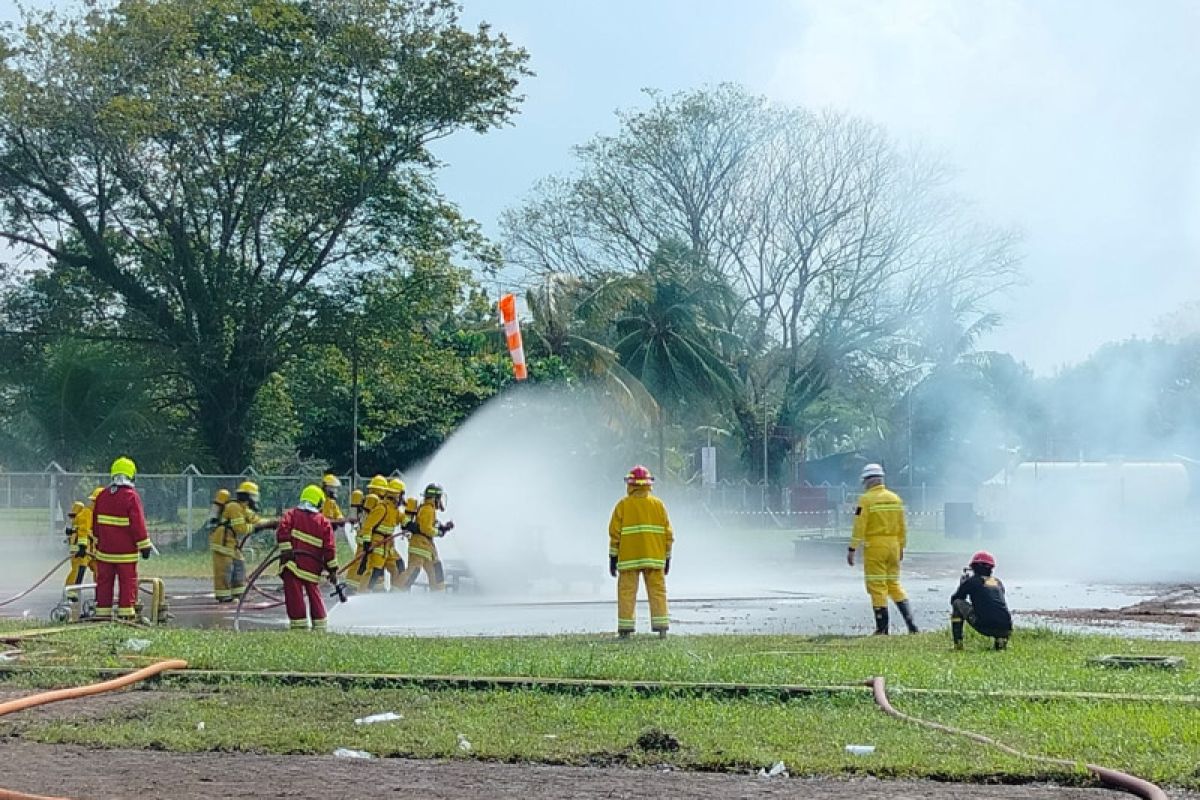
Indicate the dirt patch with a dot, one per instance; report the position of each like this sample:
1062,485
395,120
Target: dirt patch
1178,607
147,775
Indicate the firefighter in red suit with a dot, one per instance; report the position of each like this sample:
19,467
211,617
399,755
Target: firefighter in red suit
306,545
119,529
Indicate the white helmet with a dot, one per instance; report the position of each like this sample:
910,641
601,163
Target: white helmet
871,471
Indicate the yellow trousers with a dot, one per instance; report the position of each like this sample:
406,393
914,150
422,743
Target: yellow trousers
433,573
377,564
229,577
881,569
78,572
656,590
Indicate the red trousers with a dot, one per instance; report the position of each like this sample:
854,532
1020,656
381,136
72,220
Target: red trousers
126,576
294,592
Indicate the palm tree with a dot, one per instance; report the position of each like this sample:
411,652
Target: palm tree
570,317
665,337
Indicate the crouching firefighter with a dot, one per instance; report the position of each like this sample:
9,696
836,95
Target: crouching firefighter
422,552
639,546
307,548
881,530
979,601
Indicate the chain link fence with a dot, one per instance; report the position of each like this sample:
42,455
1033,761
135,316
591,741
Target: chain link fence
176,505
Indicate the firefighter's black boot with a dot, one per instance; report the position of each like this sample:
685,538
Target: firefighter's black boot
906,612
881,621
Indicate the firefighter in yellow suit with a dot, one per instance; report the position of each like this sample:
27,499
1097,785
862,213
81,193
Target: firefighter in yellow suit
357,570
378,531
422,552
880,528
79,541
239,518
639,544
330,509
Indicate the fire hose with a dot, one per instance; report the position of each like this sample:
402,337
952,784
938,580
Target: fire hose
272,558
74,693
1110,777
41,580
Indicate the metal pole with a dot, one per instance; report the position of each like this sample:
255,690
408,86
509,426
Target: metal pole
765,462
189,511
354,393
53,499
912,473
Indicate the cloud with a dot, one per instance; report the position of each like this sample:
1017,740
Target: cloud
1078,121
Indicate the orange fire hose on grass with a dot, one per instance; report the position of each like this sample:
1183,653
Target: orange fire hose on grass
74,693
1110,777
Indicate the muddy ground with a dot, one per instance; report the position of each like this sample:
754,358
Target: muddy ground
1175,608
99,775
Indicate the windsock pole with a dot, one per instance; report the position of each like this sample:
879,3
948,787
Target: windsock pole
512,332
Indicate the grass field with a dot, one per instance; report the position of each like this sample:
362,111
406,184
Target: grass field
1156,735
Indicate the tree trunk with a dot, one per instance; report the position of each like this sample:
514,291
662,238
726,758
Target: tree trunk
225,394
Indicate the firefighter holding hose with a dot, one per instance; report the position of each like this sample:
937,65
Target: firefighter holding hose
120,538
880,529
239,518
422,552
79,542
307,548
639,544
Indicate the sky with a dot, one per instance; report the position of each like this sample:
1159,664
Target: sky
1076,121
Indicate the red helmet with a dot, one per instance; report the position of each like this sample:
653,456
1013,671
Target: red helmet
984,557
639,476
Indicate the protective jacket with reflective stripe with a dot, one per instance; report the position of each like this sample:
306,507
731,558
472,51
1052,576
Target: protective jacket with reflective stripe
308,536
82,534
119,526
332,511
420,543
235,523
639,533
880,514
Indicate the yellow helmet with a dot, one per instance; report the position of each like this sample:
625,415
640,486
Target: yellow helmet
99,490
248,487
330,481
356,498
410,505
378,484
76,507
395,487
125,467
312,495
221,497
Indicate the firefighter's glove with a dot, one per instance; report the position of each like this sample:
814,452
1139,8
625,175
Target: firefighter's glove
81,551
146,552
850,557
445,528
612,566
667,567
286,556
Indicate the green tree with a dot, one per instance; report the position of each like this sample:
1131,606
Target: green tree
216,165
666,340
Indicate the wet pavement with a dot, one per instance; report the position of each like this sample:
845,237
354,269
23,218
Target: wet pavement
814,595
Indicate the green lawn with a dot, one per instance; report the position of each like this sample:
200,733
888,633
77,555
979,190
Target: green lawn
1157,738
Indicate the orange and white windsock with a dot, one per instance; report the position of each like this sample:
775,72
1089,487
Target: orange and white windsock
512,332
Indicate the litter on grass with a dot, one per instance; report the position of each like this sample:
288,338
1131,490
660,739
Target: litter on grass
137,645
860,749
386,716
463,744
345,752
777,769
